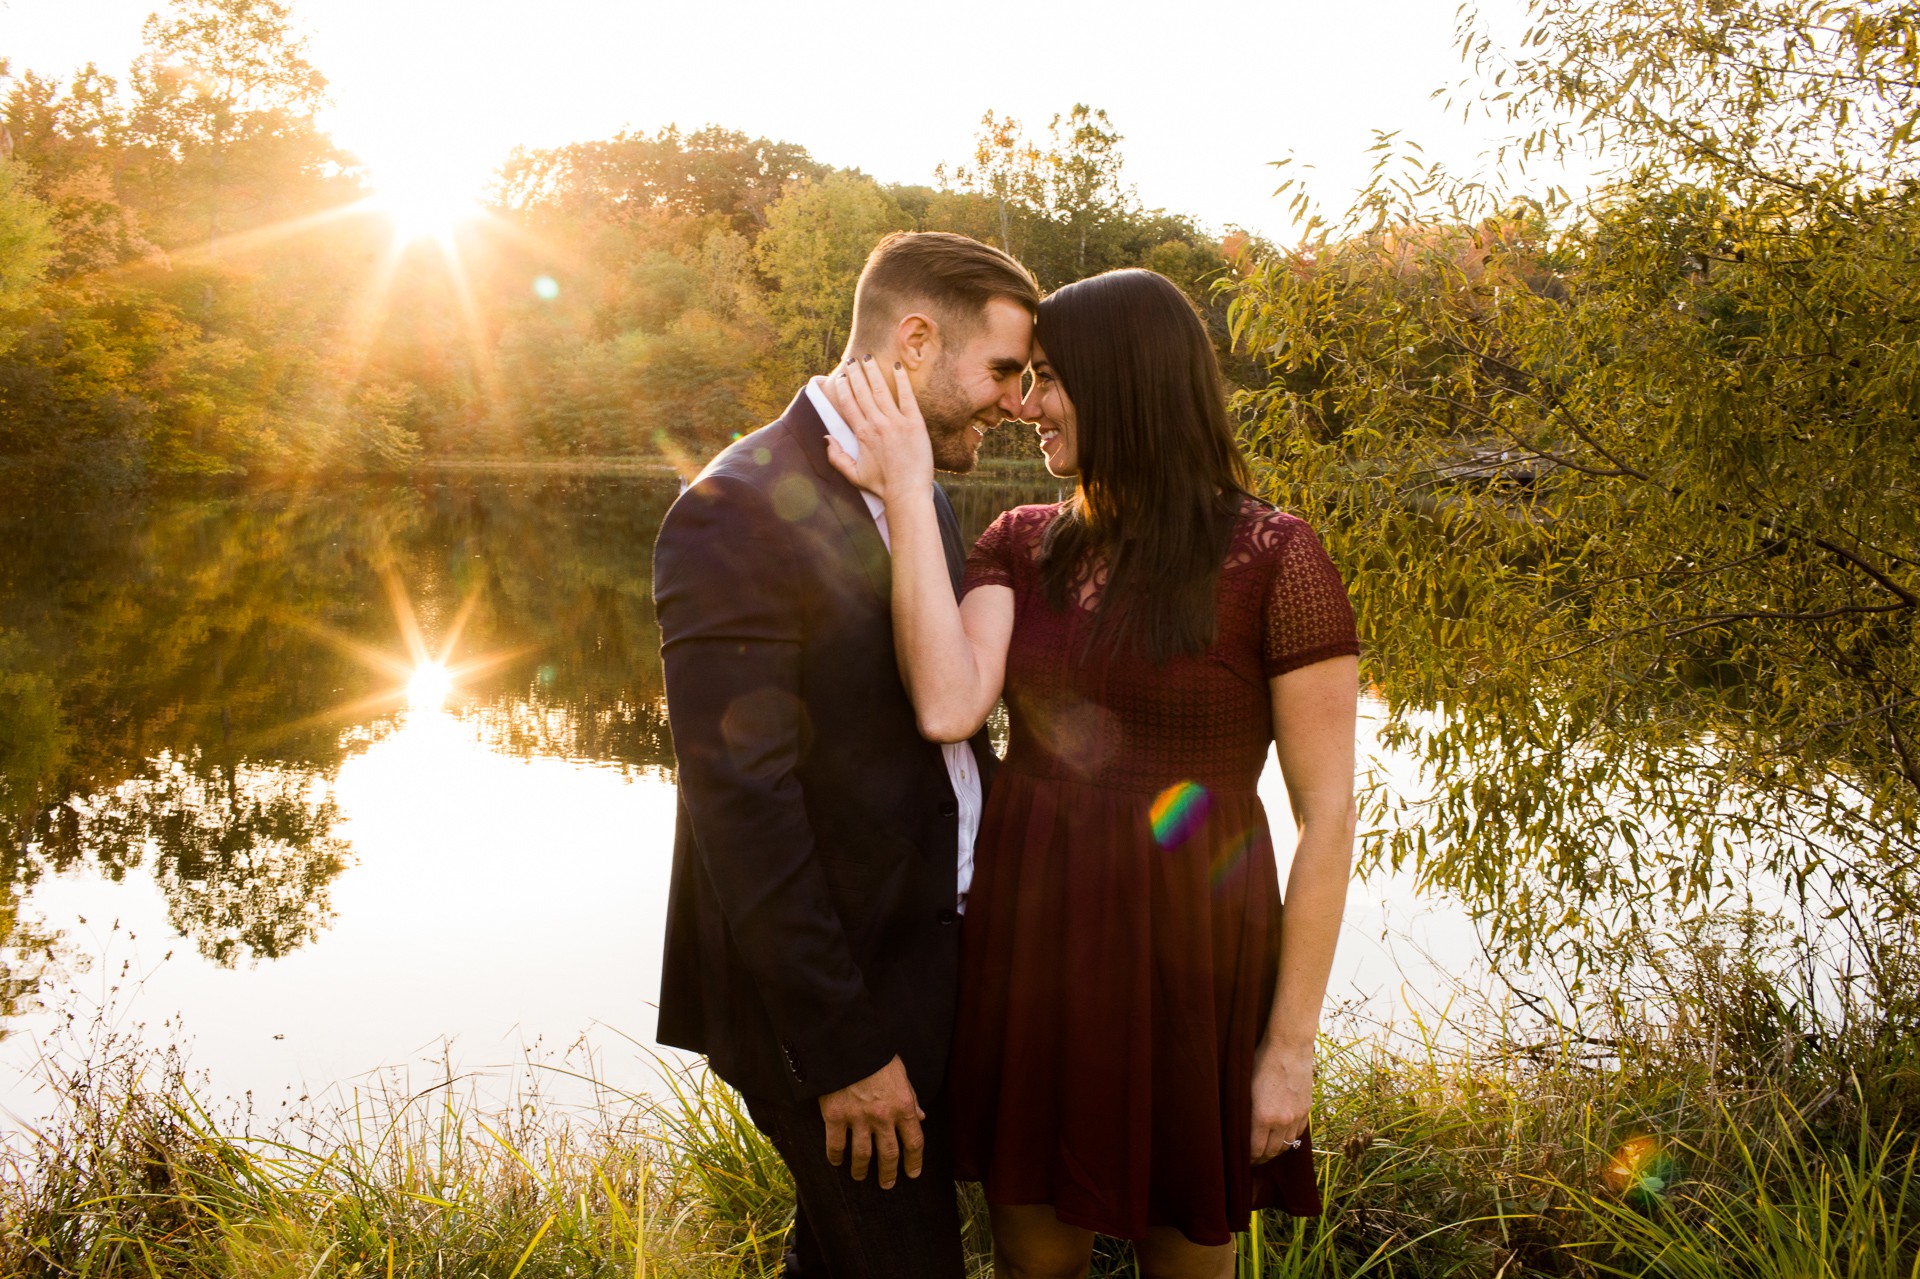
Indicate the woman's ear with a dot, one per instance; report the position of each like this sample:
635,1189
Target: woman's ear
917,338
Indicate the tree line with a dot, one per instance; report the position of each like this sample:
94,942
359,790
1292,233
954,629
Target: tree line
193,280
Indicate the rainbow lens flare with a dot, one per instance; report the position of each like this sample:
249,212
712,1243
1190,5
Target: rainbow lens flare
1177,813
1229,861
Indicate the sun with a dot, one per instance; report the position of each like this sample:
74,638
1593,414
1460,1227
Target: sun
428,686
424,205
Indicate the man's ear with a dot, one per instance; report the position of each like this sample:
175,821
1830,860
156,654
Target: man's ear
917,338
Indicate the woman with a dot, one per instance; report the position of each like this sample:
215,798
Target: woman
1134,1049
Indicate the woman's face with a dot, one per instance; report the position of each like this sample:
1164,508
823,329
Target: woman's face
1048,408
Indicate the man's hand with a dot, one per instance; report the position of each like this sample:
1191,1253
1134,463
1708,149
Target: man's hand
879,1113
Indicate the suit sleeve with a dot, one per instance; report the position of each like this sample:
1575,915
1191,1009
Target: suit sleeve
729,596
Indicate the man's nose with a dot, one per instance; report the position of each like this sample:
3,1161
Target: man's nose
1009,402
1020,407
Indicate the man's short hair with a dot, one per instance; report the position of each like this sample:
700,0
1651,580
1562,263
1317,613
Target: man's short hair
952,276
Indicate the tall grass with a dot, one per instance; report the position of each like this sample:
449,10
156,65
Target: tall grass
1734,1139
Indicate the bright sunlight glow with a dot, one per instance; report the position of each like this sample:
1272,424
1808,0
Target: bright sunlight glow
424,205
428,686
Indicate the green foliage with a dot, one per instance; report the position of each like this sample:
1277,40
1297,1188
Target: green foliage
1793,1213
1627,487
817,238
26,239
223,103
156,345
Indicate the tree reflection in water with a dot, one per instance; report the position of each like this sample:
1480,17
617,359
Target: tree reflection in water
244,853
181,677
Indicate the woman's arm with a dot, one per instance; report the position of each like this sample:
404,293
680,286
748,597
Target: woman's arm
1314,714
953,656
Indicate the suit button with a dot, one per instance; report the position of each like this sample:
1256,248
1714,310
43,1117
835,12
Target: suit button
949,809
948,916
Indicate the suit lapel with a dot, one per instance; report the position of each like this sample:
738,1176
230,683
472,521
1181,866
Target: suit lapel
950,537
809,433
849,505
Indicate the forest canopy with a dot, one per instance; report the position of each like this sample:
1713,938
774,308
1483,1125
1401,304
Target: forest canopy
196,280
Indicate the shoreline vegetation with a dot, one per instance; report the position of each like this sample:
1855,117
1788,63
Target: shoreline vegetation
990,469
1025,472
1725,1136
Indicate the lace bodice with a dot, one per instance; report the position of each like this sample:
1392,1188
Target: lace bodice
1116,719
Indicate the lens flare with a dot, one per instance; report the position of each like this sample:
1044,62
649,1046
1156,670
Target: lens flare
1640,1170
1229,861
1177,813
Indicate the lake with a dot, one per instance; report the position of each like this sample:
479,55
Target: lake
369,784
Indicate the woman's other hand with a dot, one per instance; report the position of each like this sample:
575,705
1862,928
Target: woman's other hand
1282,1092
896,455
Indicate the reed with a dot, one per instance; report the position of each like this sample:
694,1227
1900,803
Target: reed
1670,1146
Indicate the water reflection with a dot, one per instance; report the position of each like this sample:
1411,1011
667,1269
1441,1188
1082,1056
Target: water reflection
183,680
243,853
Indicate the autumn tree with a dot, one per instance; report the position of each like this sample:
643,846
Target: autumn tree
224,91
709,172
1007,172
1084,192
1057,203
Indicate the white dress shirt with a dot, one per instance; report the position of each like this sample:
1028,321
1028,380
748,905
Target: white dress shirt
962,769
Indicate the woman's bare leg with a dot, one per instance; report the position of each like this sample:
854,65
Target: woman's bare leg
1168,1254
1029,1242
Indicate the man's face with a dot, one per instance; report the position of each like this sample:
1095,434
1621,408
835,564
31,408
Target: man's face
973,385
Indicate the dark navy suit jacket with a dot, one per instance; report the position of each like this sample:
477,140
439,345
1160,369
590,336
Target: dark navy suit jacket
811,932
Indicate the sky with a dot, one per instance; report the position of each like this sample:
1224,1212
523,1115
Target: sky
1206,93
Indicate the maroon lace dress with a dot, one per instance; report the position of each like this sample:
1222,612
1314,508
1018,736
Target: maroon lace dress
1121,944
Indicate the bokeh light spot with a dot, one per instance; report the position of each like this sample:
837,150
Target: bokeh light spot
794,498
546,288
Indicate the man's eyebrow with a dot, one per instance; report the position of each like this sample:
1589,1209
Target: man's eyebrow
1006,366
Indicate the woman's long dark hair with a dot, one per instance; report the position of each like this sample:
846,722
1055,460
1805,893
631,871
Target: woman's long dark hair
1161,479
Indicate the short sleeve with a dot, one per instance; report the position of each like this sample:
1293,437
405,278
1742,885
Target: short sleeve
991,562
1309,617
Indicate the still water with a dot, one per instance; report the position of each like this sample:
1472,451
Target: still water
373,782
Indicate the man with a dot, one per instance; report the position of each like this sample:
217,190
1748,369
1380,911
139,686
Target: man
824,847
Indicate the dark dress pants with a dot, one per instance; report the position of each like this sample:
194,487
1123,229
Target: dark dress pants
847,1229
